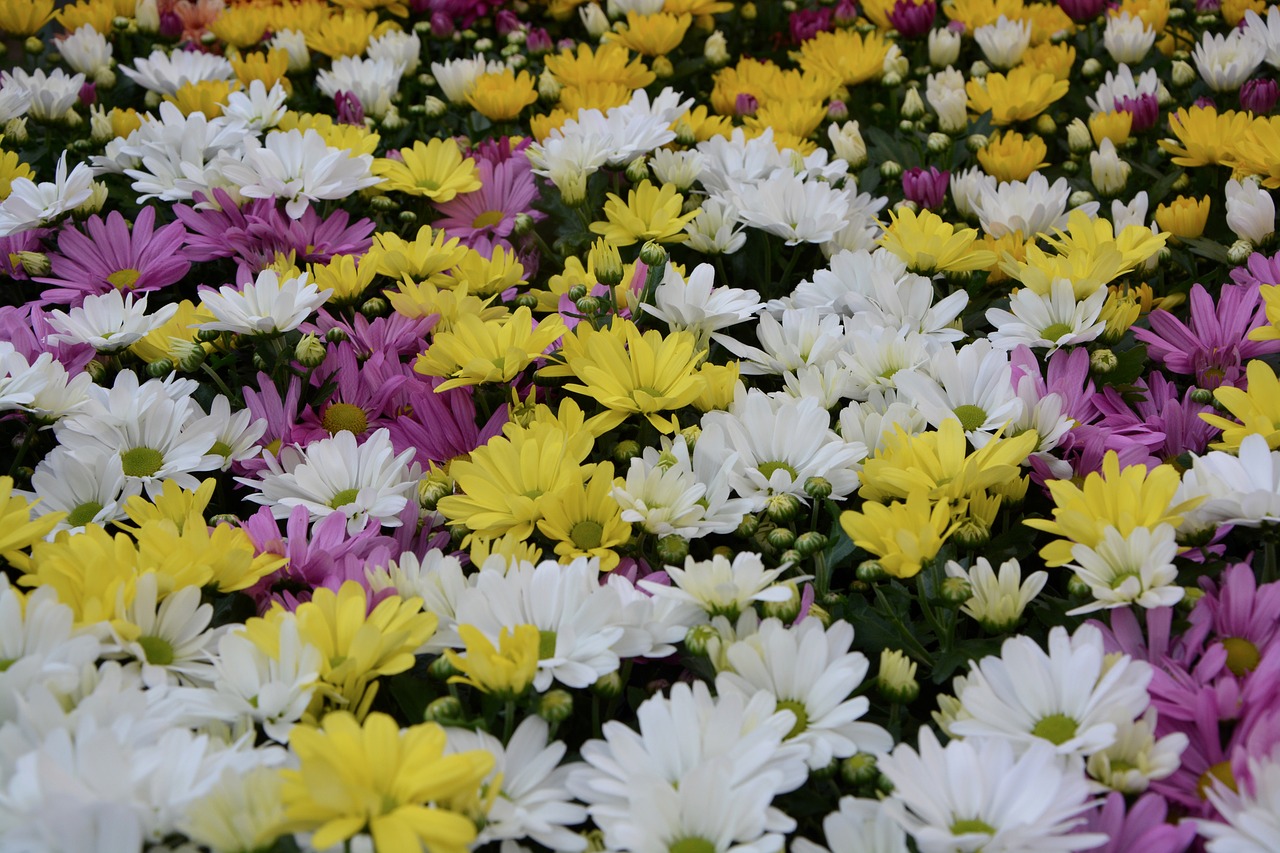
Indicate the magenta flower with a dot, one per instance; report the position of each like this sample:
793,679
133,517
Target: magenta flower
1082,11
1161,414
395,334
1259,95
807,23
1144,109
1143,827
28,331
110,255
1259,269
926,187
911,19
1238,613
440,426
280,413
485,218
1215,346
361,401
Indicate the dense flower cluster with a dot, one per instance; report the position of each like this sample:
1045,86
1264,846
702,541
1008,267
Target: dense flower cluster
669,426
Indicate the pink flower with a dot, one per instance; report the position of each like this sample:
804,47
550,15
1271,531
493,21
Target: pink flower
486,218
1144,827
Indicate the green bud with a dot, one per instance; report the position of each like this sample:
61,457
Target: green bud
555,706
589,305
859,769
224,518
637,170
1203,396
208,336
1191,595
818,488
870,571
789,557
1077,588
309,351
33,46
446,710
956,591
578,291
336,335
1103,361
672,549
653,254
786,610
160,367
781,538
375,307
975,142
527,300
699,638
782,508
890,169
609,686
810,542
625,451
35,263
442,669
383,204
97,371
748,526
523,225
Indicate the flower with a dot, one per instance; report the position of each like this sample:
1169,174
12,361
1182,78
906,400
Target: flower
1244,488
1183,217
1020,95
166,73
502,95
998,601
928,244
474,351
1127,37
1251,213
649,213
718,587
1133,569
265,306
1205,136
902,536
1226,61
299,167
394,783
860,826
436,170
652,34
31,205
108,323
1047,321
1257,410
583,522
507,669
372,80
1248,817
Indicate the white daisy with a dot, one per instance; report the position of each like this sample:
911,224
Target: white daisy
849,274
803,336
19,383
1122,84
1033,206
398,46
997,601
1244,488
879,418
271,688
860,826
812,673
56,392
1250,818
239,812
455,77
238,434
718,587
39,645
257,108
568,160
170,637
265,306
30,205
85,51
1048,321
173,156
875,356
981,795
733,162
907,305
14,101
166,73
861,229
1136,758
373,81
780,445
52,94
89,485
532,802
1072,698
830,384
1004,41
1133,569
974,385
1127,38
1226,61
716,229
967,189
796,210
365,483
697,305
1266,32
634,128
677,167
109,322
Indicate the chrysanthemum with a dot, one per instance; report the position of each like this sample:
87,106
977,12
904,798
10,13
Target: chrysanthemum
89,486
1133,569
973,385
799,211
649,213
1256,410
1047,321
486,217
167,72
265,306
502,95
300,168
268,675
168,638
31,205
435,169
903,536
1203,136
109,322
1243,488
474,351
1022,94
928,244
584,522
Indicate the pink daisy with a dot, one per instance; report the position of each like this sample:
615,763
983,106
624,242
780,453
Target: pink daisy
485,218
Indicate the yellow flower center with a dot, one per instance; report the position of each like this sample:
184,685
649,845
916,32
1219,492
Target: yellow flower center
141,462
1056,728
802,716
767,469
345,416
963,827
124,279
692,845
587,534
971,417
1055,331
546,644
158,650
487,219
1242,655
84,513
343,498
1220,772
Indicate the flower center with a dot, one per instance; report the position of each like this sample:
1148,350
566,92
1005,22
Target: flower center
587,534
157,649
1056,728
802,716
692,845
345,416
220,448
428,184
1242,655
124,279
141,462
5,663
963,827
971,417
83,514
1220,772
1055,331
487,219
767,469
343,498
546,644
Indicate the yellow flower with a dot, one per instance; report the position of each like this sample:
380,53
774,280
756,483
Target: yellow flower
191,553
356,138
632,373
1258,151
721,381
1116,126
436,170
928,244
269,66
504,479
18,531
378,778
1088,255
652,35
206,96
508,547
488,276
175,340
749,77
124,122
359,645
1022,94
507,670
346,34
1119,312
96,13
11,167
425,258
796,118
705,126
448,305
91,571
24,18
978,13
1183,217
1154,13
1271,299
649,213
174,504
845,55
1204,137
597,95
500,96
1233,10
1123,499
240,26
611,62
697,8
935,464
902,536
1256,410
1011,245
585,521
346,275
1056,59
1010,156
474,351
1047,21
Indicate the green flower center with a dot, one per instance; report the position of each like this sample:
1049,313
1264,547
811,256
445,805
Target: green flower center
1056,728
1054,331
141,462
124,279
157,649
343,498
692,845
5,663
428,184
1242,655
971,417
802,716
345,416
546,644
220,448
83,514
1220,772
487,219
767,468
587,535
963,827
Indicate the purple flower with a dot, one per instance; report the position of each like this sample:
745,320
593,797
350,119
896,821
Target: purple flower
1259,95
440,426
1145,110
486,217
1082,11
280,413
538,41
1215,345
846,13
807,23
89,93
911,19
350,110
441,25
1161,414
1143,827
28,331
927,188
361,400
110,255
170,25
1238,613
506,22
1259,269
395,334
745,104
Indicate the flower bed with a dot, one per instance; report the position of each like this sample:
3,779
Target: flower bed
656,425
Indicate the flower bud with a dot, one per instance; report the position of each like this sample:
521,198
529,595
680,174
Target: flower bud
555,706
890,169
1091,67
748,526
896,680
848,144
34,263
159,368
672,549
625,451
859,769
912,104
434,107
608,685
979,69
786,610
653,255
594,20
956,591
893,78
781,538
944,47
1182,74
446,710
1077,587
716,49
662,68
699,638
938,143
782,509
1079,197
442,669
870,571
309,351
809,543
1239,252
1079,140
375,307
190,355
1103,361
637,170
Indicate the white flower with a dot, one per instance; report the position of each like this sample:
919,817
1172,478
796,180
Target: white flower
373,81
1048,321
636,127
831,384
172,157
968,187
861,229
86,51
398,46
1122,84
1033,206
781,443
1071,698
109,322
1108,171
168,637
294,43
166,73
265,306
1004,41
860,826
14,100
798,211
876,356
981,795
1134,569
944,91
54,393
299,167
720,588
455,77
19,382
878,419
697,305
802,337
238,433
89,485
944,47
997,600
847,143
238,812
1226,61
532,801
40,644
1266,33
259,108
715,230
1245,488
438,580
1250,818
568,160
905,306
331,475
677,167
1251,212
272,688
50,94
974,385
812,673
1127,38
31,205
851,274
1136,758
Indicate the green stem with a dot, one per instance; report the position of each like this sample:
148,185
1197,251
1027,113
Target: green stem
821,575
508,720
22,451
786,272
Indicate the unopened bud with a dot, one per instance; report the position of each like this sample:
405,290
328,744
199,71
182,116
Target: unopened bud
782,509
446,710
786,610
375,307
890,169
956,591
938,142
609,685
35,263
1103,361
976,142
699,638
896,680
870,571
859,769
442,669
672,549
1182,73
159,368
625,451
653,254
1239,252
810,542
309,351
1091,67
748,526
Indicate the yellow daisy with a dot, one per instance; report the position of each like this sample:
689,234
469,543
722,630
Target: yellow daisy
928,244
435,169
1204,137
904,537
1021,94
652,35
1011,156
500,96
585,521
611,62
474,351
1256,410
649,213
